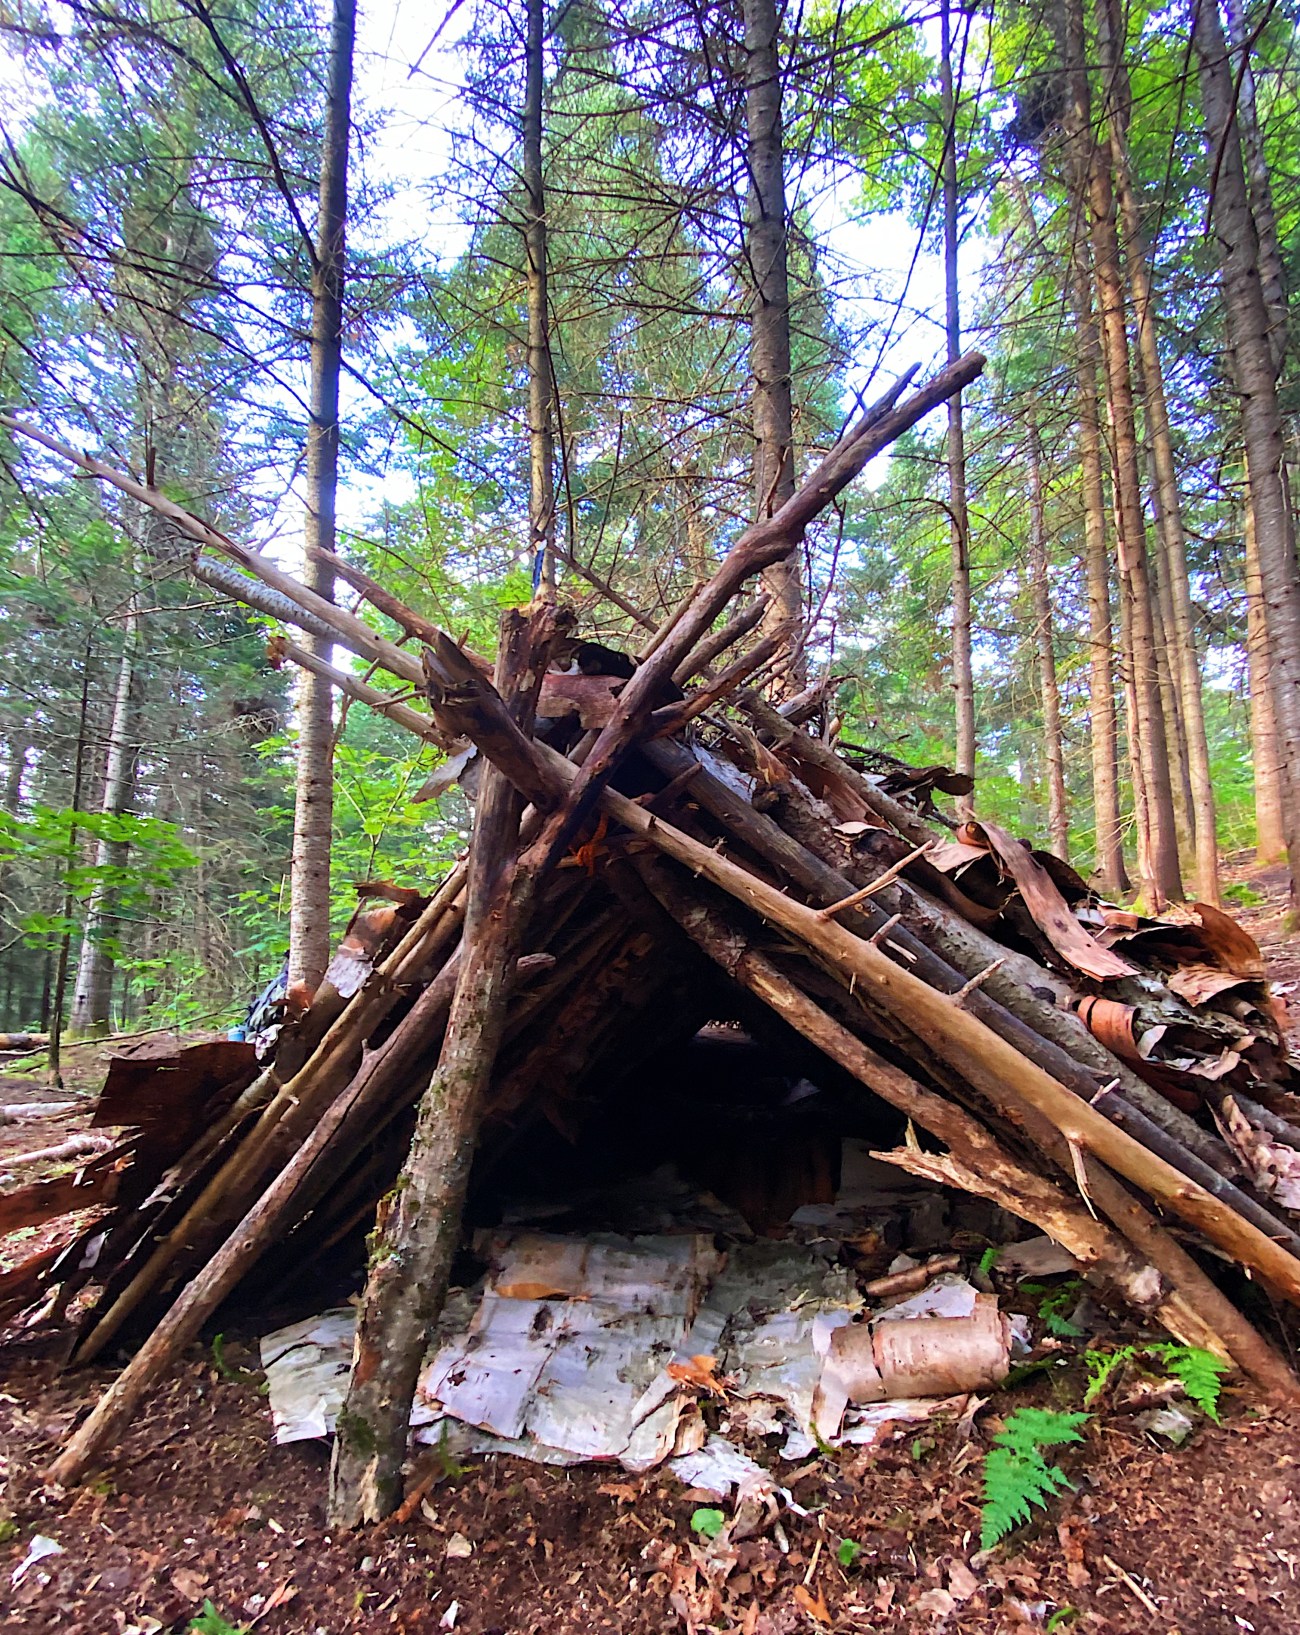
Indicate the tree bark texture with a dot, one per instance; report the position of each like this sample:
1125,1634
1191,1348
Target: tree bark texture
1058,815
541,375
769,344
963,679
419,1224
1270,842
313,823
1249,334
1109,868
92,996
1272,271
1180,626
1159,862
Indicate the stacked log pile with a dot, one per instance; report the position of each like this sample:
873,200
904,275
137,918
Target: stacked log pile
1120,1080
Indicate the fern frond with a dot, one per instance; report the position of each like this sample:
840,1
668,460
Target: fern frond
1200,1373
1102,1366
1029,1429
1016,1476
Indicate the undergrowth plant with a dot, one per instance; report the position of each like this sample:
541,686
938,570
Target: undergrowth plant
210,1622
1200,1373
1017,1476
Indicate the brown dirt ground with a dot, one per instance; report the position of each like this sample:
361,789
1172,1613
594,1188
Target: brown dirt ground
199,1503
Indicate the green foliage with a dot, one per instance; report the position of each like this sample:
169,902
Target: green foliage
1062,1615
989,1259
847,1553
1199,1372
708,1522
211,1622
1053,1303
1016,1476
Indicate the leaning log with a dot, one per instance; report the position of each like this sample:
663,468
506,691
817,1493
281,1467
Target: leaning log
419,1226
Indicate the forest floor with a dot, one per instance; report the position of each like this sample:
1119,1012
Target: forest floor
199,1504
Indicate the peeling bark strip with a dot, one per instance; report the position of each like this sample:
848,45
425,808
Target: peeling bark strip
418,1226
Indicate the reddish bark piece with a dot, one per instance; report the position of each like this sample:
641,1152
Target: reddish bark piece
44,1200
161,1085
1048,908
1233,948
1198,984
590,698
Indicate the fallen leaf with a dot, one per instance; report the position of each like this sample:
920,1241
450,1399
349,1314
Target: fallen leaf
812,1604
531,1291
190,1583
458,1548
624,1492
1076,1568
280,1596
962,1582
701,1372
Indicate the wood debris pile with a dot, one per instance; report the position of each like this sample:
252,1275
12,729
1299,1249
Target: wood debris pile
643,843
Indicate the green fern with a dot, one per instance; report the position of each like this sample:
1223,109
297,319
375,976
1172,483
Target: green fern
1200,1373
1016,1476
1102,1368
1053,1305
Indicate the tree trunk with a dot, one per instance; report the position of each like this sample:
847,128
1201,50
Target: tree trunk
19,747
58,1002
1109,848
1272,271
541,377
418,1226
1058,818
1270,844
1181,629
93,993
313,823
963,680
1162,613
1249,338
769,345
1161,881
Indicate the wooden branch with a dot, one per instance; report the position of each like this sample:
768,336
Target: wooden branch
411,623
737,627
418,1234
291,1111
1017,986
994,1171
467,705
761,545
1141,1128
20,1112
227,579
672,718
354,632
350,1113
981,1056
786,735
872,887
82,1145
